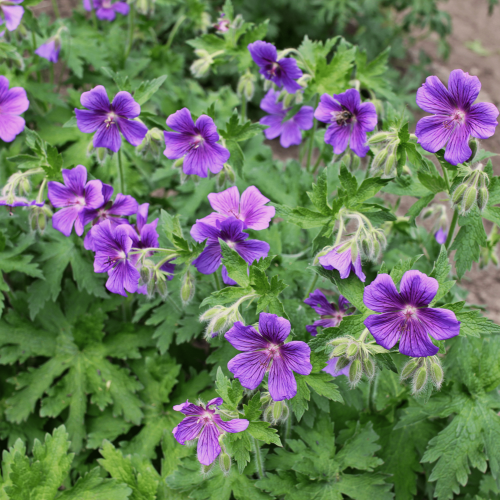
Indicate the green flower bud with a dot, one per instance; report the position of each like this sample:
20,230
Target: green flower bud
354,252
355,371
365,247
473,147
339,351
437,374
101,154
379,158
369,367
25,185
42,222
458,194
379,137
246,86
34,223
201,66
161,286
145,273
151,288
469,198
187,288
352,349
390,163
419,379
482,198
409,368
341,363
225,463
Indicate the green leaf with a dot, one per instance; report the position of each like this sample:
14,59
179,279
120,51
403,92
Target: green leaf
348,181
147,89
319,195
474,324
302,217
434,183
369,188
372,75
402,267
418,206
237,268
225,296
441,272
468,241
262,432
55,162
236,131
230,392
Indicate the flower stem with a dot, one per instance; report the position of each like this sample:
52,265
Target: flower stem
56,9
217,281
452,229
311,140
258,459
121,178
94,17
172,34
130,31
313,284
243,107
446,179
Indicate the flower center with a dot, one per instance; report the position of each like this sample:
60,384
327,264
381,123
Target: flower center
197,141
106,4
111,118
80,201
273,70
231,244
456,119
409,312
342,117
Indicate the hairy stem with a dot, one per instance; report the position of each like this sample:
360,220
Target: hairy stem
446,179
172,34
121,178
313,284
217,281
452,229
258,460
243,107
311,140
131,28
56,9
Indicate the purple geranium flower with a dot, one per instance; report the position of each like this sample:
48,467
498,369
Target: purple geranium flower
230,231
196,143
455,118
206,425
108,120
330,315
349,120
113,211
288,131
105,10
406,316
251,209
441,236
331,368
112,246
73,197
283,72
343,263
265,351
13,102
50,49
18,201
11,13
222,24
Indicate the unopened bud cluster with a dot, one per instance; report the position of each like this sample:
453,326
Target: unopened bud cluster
385,150
202,65
188,288
422,371
225,177
154,279
246,86
472,191
358,354
220,319
39,217
153,142
276,412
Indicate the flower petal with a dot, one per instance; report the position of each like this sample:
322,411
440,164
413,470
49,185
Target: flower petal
188,430
96,99
338,136
458,150
482,120
323,323
320,303
133,131
231,230
64,219
249,368
366,116
271,105
209,260
441,324
350,99
297,357
202,231
386,328
126,205
253,211
75,179
290,135
13,15
124,276
207,129
208,445
181,121
227,202
233,426
359,141
415,342
176,145
226,279
14,101
245,338
263,52
432,134
142,214
434,97
215,402
124,105
327,106
273,328
207,157
331,368
274,122
463,88
108,137
59,195
281,382
252,250
88,121
340,261
121,7
10,127
417,288
93,194
189,408
105,14
381,295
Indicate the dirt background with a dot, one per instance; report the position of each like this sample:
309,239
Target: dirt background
475,48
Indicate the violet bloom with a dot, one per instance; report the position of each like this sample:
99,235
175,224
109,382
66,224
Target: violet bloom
108,120
50,50
18,201
265,351
112,246
204,424
13,102
343,263
222,24
105,10
331,368
441,236
349,120
288,131
251,209
455,118
283,72
331,316
11,14
123,205
73,197
406,316
196,143
230,231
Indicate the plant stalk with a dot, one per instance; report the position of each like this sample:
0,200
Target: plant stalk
56,9
311,140
121,178
452,230
258,460
131,28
